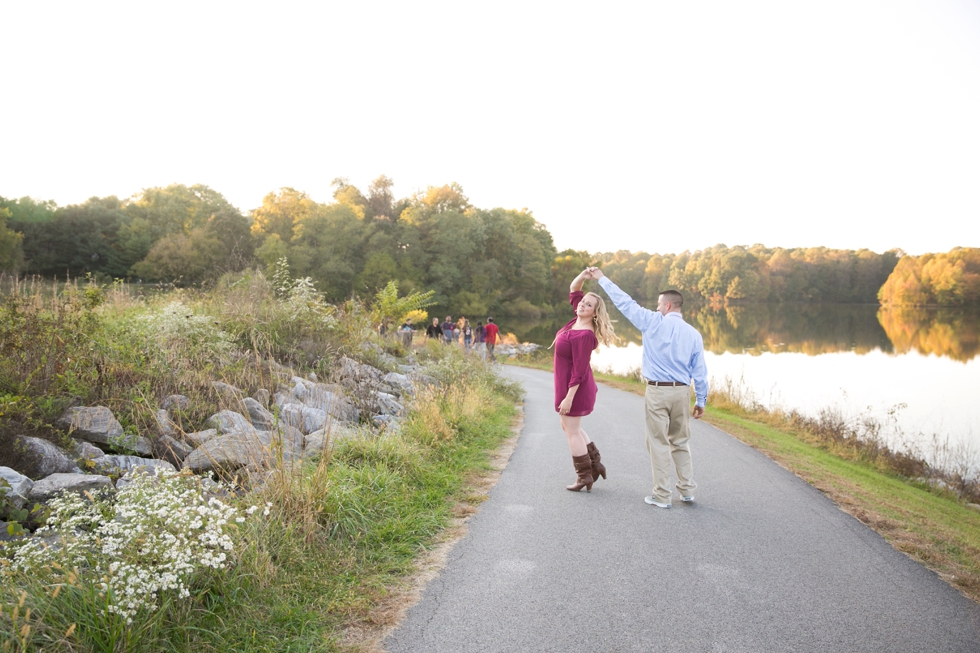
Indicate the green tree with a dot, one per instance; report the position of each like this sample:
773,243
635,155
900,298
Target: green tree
11,252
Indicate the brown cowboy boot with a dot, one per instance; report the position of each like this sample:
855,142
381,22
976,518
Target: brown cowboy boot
598,469
583,467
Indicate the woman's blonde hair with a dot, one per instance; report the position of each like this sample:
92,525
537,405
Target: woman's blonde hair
603,326
604,331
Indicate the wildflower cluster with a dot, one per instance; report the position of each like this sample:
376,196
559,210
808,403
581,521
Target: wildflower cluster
144,542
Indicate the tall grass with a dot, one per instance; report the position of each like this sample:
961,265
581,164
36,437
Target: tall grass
939,464
340,528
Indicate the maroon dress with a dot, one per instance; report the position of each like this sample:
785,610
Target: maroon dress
573,351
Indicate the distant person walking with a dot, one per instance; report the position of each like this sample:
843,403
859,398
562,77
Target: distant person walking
433,330
673,356
490,333
406,332
575,388
467,331
447,329
480,336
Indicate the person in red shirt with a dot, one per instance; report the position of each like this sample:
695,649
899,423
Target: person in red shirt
490,332
575,388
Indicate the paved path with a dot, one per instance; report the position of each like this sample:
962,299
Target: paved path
760,562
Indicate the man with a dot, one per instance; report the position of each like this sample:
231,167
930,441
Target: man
490,332
673,355
433,330
407,332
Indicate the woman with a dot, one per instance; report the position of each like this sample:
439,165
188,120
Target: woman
467,334
575,387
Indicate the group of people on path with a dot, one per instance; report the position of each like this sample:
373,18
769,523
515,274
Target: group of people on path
463,332
673,358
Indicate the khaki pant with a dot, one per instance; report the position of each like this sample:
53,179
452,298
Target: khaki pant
668,410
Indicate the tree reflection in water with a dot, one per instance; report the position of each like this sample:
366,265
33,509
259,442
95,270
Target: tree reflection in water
811,329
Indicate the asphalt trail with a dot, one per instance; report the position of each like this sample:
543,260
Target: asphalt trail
760,562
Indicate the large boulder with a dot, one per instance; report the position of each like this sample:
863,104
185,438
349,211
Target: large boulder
306,418
316,442
261,418
86,450
164,425
387,404
54,484
92,423
232,451
262,396
401,382
197,438
330,399
172,450
97,424
48,457
20,487
229,422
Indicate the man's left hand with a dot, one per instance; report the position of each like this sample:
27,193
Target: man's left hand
697,412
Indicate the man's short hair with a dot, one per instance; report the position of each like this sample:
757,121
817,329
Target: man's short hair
489,320
674,297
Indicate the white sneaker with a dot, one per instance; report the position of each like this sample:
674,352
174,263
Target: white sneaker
652,500
687,499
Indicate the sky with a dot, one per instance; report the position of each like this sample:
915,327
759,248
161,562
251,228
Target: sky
646,126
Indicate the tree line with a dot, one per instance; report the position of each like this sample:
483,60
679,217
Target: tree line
477,261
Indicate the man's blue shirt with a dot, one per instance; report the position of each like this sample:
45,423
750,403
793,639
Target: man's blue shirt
672,349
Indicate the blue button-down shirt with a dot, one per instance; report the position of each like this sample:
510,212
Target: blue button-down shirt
672,349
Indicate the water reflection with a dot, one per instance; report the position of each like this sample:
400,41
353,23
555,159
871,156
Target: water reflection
943,332
810,329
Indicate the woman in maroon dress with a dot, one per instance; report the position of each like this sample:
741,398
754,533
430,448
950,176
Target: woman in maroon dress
575,387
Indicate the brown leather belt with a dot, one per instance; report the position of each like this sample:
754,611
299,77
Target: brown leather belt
668,383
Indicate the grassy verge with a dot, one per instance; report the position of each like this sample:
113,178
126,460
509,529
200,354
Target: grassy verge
931,524
314,552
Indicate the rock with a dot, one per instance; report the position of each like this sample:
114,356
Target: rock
94,424
261,418
400,381
232,451
226,392
176,402
315,441
287,438
330,399
262,396
54,484
20,487
387,422
299,387
306,418
312,377
353,374
50,458
284,398
200,437
172,450
164,425
228,421
142,446
388,404
86,450
974,506
119,465
6,535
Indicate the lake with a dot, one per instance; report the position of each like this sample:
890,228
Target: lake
914,371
